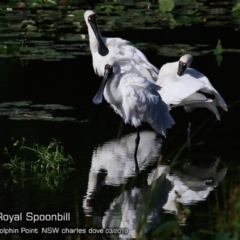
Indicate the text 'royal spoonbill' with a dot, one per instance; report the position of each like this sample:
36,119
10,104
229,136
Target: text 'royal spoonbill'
104,48
135,99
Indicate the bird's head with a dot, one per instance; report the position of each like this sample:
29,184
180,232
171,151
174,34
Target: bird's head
184,62
113,66
89,17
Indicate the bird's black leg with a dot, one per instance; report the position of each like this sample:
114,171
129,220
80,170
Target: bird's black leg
189,132
137,140
120,129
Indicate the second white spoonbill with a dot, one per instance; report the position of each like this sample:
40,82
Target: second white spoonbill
175,79
104,48
135,99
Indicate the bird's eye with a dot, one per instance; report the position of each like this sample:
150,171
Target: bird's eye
184,64
89,19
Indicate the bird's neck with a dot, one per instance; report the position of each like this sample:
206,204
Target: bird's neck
111,91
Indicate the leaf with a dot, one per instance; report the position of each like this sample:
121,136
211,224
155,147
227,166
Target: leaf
165,226
12,49
143,4
235,14
50,2
30,27
219,48
118,8
78,13
236,7
166,5
237,205
3,49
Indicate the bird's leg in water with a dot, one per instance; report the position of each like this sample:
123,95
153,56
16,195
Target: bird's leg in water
137,140
120,129
189,133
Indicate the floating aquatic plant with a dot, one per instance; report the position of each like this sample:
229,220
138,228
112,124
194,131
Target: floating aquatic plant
51,30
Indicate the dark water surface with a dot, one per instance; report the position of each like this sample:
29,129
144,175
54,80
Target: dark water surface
102,191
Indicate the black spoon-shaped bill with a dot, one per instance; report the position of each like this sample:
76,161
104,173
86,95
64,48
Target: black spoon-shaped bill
99,95
181,68
102,48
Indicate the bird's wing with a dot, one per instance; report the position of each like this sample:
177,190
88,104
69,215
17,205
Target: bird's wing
176,88
193,99
135,60
168,68
208,87
210,105
141,104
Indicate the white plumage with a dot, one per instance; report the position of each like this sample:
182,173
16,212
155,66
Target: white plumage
135,99
112,162
103,49
184,86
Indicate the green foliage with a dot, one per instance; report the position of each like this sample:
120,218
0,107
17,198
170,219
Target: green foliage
166,5
188,19
236,7
219,48
235,14
49,168
143,5
166,228
218,51
228,219
49,21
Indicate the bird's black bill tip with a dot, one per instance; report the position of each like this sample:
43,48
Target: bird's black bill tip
181,68
99,95
103,50
97,99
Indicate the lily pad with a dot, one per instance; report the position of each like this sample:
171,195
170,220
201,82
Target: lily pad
26,110
15,104
62,22
52,106
166,5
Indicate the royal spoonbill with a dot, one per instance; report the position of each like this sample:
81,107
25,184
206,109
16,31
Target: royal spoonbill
135,99
177,90
104,48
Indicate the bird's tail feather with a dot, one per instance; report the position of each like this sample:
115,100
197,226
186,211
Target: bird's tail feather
210,105
161,119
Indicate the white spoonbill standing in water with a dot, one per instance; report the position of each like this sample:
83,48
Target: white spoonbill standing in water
185,86
104,48
135,99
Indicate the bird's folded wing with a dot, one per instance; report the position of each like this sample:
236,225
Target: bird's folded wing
141,105
176,88
208,87
134,58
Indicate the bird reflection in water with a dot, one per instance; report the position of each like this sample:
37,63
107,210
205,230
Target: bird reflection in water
191,184
167,191
112,162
